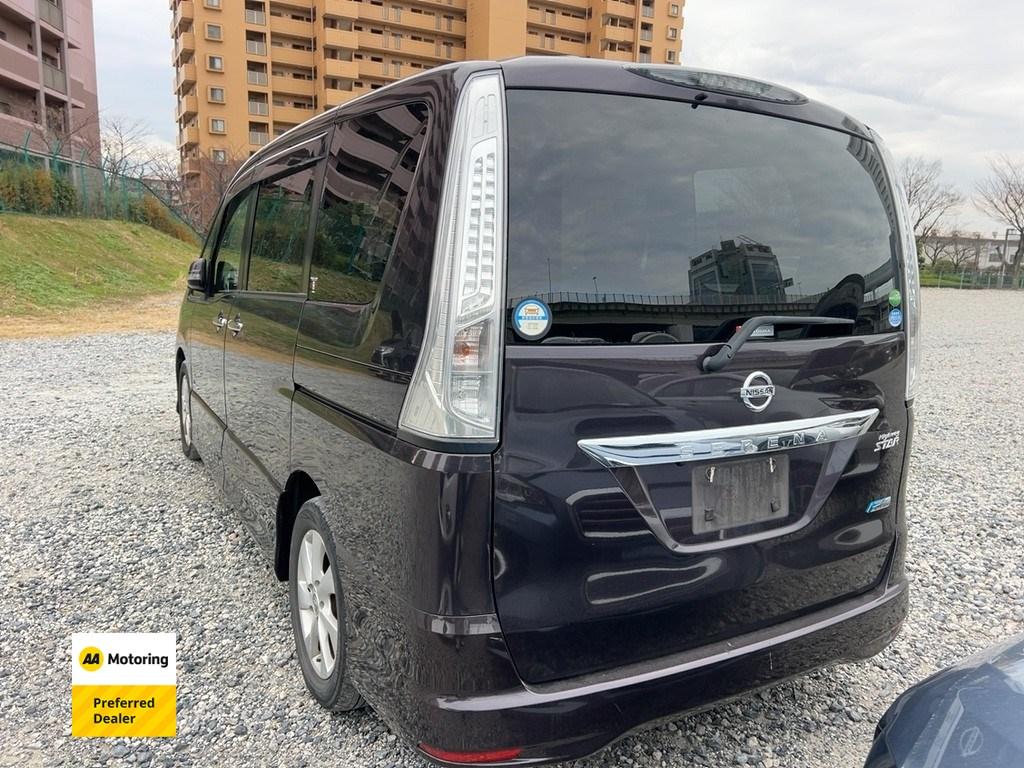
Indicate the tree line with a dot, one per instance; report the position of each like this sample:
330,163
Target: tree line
934,204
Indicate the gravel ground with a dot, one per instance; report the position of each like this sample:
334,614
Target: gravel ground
106,527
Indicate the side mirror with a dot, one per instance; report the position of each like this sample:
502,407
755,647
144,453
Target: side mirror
197,275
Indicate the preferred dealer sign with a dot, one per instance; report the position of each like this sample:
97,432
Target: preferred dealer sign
123,684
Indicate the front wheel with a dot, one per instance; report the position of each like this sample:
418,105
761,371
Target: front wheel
185,414
318,611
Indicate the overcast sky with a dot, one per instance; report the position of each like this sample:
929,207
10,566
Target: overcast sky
938,78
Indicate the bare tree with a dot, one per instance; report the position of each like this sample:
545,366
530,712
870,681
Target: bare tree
962,249
933,250
163,175
931,200
125,147
203,191
1001,196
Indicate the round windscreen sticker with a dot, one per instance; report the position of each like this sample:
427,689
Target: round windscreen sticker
531,319
896,317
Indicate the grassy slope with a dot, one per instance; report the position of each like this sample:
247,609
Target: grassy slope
49,264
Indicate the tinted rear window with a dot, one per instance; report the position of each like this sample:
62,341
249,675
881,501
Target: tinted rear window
646,221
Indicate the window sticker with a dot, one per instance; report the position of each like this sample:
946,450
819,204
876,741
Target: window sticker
531,319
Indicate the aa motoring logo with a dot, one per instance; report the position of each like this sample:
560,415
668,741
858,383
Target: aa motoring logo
123,684
91,658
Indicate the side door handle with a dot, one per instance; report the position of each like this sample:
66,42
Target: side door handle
220,321
236,325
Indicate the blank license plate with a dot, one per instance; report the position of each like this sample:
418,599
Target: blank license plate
738,493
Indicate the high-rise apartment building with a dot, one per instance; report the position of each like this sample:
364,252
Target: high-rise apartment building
248,70
48,77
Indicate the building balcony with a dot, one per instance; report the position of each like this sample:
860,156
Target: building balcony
294,115
254,77
295,86
332,97
454,5
290,26
287,55
259,138
340,38
190,166
339,68
184,45
403,45
555,21
51,13
407,20
17,63
187,106
379,70
260,108
345,9
617,55
188,136
619,8
186,76
259,18
186,11
618,34
256,47
55,79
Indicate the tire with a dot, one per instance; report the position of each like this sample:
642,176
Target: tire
185,414
318,611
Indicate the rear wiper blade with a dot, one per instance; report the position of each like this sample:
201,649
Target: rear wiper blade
723,356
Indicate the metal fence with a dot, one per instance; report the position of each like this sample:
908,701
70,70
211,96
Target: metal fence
971,278
55,185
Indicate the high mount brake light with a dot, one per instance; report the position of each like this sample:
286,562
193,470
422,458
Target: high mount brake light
911,277
453,395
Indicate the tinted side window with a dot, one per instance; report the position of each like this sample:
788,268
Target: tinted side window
279,233
232,238
371,167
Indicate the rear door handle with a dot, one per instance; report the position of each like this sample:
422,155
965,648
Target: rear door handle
219,322
236,325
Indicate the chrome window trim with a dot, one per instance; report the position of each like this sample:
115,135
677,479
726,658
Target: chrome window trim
726,442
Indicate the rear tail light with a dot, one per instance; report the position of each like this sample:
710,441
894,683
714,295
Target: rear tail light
911,278
472,758
453,395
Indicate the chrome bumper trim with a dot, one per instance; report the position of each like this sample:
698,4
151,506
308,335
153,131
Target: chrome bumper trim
726,442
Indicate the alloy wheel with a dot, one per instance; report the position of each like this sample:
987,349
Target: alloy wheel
318,604
185,407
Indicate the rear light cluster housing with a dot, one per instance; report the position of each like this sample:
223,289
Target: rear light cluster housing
911,276
454,392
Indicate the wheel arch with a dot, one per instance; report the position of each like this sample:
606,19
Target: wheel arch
299,489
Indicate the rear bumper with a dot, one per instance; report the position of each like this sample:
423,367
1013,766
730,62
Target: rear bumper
573,718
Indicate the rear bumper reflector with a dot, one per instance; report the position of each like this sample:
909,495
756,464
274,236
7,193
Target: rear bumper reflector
472,758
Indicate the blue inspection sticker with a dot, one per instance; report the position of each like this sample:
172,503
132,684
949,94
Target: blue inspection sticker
895,317
877,505
531,319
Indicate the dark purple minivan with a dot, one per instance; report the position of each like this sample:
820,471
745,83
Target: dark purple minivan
567,395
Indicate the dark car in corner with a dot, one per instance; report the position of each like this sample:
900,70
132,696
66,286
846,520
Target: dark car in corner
566,395
970,715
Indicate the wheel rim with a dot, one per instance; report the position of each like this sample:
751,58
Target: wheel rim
318,605
185,406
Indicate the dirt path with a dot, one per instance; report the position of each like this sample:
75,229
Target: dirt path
153,313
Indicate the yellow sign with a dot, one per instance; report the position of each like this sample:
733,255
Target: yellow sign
123,684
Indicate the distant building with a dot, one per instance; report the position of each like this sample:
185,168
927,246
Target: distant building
48,77
248,70
972,251
745,268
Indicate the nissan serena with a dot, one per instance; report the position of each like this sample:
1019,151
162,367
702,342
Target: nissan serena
565,395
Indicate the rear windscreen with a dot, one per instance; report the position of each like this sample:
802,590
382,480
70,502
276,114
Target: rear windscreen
646,221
